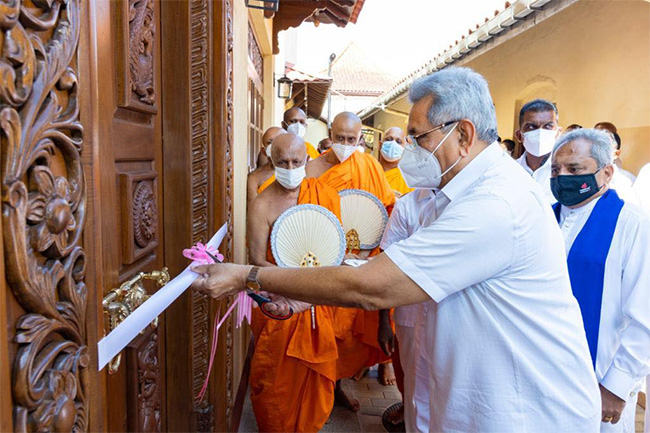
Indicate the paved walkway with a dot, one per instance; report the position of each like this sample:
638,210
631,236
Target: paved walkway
374,399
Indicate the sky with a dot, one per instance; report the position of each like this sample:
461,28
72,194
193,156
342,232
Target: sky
401,34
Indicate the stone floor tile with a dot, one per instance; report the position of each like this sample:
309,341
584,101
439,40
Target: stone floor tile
393,395
372,410
384,402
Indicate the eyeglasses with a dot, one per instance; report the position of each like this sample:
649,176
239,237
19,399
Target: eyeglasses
412,140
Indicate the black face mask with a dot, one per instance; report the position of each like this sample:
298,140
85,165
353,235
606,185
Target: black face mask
570,190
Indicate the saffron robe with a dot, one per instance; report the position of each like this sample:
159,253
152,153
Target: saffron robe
312,152
356,330
293,370
266,184
396,181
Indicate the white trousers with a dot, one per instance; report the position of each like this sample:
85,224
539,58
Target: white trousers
647,409
416,382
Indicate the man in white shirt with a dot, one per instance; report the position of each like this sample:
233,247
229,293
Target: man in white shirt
538,130
501,332
608,248
622,180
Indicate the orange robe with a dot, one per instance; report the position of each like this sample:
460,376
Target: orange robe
311,151
293,370
266,184
396,181
356,330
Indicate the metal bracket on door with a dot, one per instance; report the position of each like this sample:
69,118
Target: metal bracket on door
121,302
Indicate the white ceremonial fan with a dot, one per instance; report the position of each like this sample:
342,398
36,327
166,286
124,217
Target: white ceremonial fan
364,219
307,235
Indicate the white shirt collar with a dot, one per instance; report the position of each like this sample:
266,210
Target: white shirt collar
564,211
472,171
524,163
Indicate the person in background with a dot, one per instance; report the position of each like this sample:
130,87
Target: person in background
618,163
292,378
572,127
391,149
324,145
508,146
608,253
538,130
263,175
295,122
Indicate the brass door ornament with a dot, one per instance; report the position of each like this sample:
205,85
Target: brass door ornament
119,303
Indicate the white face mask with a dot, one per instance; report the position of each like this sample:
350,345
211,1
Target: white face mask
421,168
268,150
540,142
391,151
297,129
290,179
343,151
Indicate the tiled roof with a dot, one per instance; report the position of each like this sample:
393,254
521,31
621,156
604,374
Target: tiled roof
354,72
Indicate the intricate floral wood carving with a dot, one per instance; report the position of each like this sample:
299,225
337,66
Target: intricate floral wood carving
136,63
144,386
43,209
255,53
139,198
229,195
199,92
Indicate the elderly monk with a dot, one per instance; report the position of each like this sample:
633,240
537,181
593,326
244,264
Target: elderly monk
295,122
501,334
346,166
390,152
263,175
293,370
607,242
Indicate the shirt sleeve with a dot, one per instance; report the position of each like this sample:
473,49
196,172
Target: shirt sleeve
396,229
471,241
631,361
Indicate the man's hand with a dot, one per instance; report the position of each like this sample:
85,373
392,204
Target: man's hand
386,339
220,280
612,406
281,306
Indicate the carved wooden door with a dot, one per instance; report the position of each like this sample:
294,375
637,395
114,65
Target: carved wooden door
131,165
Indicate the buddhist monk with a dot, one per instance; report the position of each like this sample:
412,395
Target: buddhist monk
293,370
295,122
346,166
390,152
324,145
263,175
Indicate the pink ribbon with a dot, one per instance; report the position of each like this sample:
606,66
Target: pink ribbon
199,256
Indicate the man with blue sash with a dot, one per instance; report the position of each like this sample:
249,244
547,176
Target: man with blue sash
608,247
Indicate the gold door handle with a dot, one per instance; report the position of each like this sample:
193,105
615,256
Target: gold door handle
119,303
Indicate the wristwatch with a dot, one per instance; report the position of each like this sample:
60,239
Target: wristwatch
251,281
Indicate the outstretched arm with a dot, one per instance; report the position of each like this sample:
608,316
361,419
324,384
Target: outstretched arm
369,286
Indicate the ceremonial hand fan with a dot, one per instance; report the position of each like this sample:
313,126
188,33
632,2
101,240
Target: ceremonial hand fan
364,219
307,235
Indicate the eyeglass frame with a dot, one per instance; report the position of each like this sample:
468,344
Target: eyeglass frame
412,140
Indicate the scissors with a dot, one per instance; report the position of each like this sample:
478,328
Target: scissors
261,300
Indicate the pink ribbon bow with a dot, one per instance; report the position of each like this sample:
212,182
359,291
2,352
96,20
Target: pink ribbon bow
199,256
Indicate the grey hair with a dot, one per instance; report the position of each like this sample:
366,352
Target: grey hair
458,93
601,144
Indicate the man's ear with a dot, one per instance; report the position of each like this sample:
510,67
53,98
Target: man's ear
284,125
467,136
608,172
519,136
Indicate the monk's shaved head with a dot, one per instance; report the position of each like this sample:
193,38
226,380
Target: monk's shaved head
395,134
346,128
270,134
294,114
288,151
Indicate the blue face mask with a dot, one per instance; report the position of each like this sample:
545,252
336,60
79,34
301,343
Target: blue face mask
391,151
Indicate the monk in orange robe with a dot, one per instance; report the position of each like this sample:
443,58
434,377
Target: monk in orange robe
344,167
389,158
293,370
295,122
263,175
